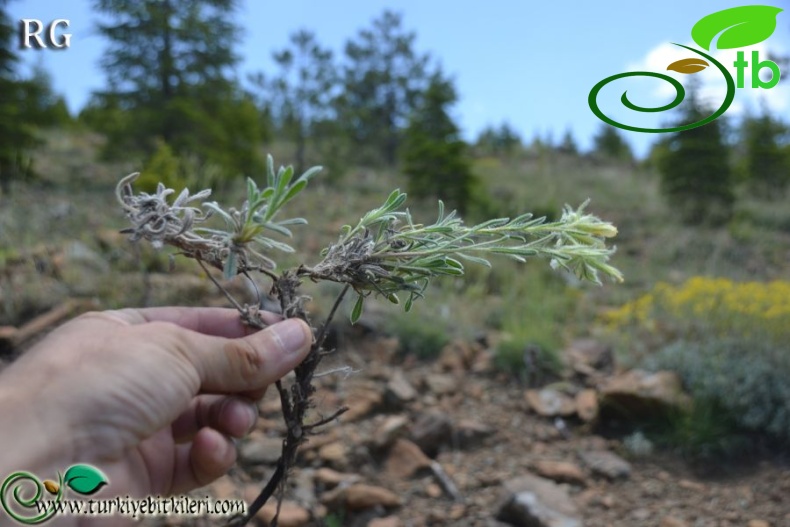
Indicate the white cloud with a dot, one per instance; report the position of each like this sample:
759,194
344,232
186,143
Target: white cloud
713,87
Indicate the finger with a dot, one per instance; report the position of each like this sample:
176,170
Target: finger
232,416
246,364
209,456
217,321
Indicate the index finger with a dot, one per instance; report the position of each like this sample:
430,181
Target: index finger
215,321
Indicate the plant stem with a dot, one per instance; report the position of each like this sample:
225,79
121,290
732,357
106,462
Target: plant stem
295,403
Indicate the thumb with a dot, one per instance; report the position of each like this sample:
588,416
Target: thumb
250,363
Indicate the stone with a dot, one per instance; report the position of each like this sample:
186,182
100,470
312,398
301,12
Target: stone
335,453
587,356
394,426
431,431
361,496
691,485
638,394
387,521
587,405
606,464
456,357
533,501
441,383
433,490
671,521
260,449
470,434
224,488
362,402
549,402
399,390
332,478
561,471
758,523
638,445
405,459
291,514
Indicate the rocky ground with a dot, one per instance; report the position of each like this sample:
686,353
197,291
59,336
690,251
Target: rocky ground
455,443
452,441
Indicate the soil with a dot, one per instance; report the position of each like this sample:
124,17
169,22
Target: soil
661,490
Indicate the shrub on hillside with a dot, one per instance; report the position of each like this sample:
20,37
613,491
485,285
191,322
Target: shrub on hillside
728,342
745,379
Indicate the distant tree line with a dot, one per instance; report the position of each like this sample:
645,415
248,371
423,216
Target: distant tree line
174,100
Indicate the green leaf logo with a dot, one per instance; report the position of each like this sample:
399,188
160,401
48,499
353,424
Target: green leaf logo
739,26
84,479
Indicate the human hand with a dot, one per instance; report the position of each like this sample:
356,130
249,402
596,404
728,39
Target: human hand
148,396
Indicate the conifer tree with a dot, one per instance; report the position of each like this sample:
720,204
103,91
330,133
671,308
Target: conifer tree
169,66
383,81
767,167
434,155
608,143
25,105
696,176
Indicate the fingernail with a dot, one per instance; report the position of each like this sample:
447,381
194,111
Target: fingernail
291,335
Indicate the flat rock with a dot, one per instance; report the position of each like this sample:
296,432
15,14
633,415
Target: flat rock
441,383
456,357
405,459
260,449
671,521
431,431
589,355
469,433
391,428
332,478
587,405
291,514
644,395
387,521
561,471
536,502
549,402
606,464
361,496
362,402
335,453
399,390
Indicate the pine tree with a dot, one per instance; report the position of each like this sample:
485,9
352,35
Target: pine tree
434,156
767,167
303,92
169,67
25,105
382,83
609,144
568,144
696,177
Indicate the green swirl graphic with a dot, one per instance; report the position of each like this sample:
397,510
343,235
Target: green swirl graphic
18,479
680,95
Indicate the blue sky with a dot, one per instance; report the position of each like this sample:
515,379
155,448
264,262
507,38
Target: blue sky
529,63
